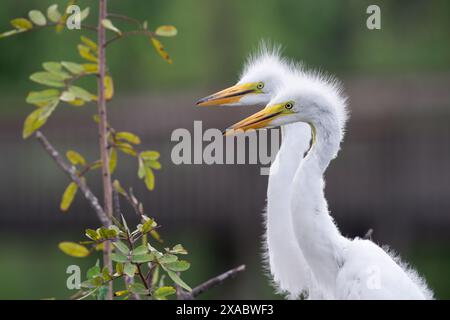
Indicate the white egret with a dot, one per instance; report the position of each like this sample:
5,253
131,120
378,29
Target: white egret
258,82
344,268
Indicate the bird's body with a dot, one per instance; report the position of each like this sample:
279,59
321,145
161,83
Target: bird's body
342,268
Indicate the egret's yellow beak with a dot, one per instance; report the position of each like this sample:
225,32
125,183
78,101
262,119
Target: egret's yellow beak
261,119
230,95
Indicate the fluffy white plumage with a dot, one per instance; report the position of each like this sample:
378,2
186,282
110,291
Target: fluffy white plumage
343,268
290,273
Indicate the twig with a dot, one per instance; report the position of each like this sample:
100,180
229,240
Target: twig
211,283
130,33
102,133
124,18
71,172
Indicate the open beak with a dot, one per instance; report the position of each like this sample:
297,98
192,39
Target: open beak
228,96
259,120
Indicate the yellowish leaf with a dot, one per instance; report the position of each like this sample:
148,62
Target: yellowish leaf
37,119
166,31
85,52
150,155
149,179
109,88
128,136
160,49
68,196
126,148
75,158
22,24
91,44
112,160
77,102
90,67
74,249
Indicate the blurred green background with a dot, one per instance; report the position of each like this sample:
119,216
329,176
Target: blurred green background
392,174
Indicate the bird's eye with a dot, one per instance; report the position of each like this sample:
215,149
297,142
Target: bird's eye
260,85
289,105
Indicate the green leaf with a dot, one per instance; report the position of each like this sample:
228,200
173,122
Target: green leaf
118,257
126,148
73,67
80,93
37,119
119,268
75,158
149,179
68,97
122,247
168,258
166,31
106,274
68,196
84,13
53,14
118,187
109,25
85,52
37,17
181,265
156,165
142,258
160,49
148,225
44,97
93,272
178,249
22,24
178,280
112,160
73,249
142,249
155,276
129,269
128,136
91,44
150,155
92,234
162,292
138,288
141,169
48,79
102,293
56,68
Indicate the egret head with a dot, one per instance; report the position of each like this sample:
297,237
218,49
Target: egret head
308,97
262,75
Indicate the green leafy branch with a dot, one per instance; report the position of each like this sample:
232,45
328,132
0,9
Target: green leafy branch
142,265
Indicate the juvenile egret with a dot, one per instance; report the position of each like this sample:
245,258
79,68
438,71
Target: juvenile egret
258,82
344,268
